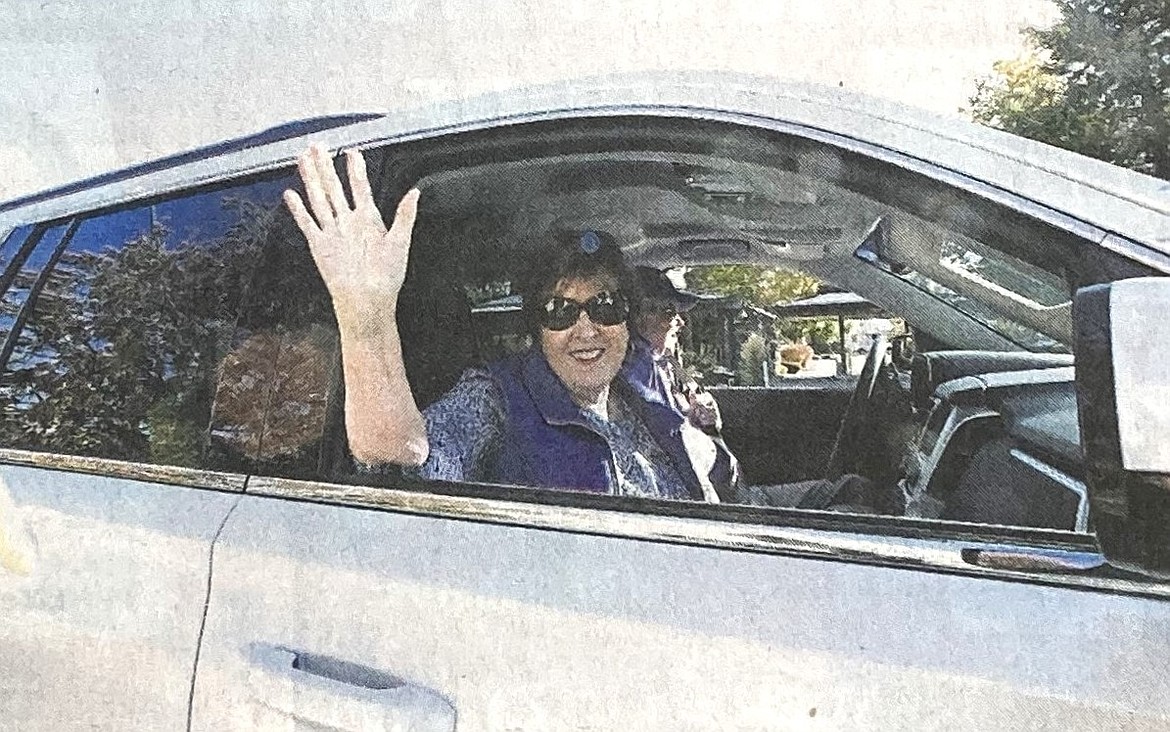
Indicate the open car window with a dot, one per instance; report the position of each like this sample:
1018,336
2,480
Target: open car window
694,197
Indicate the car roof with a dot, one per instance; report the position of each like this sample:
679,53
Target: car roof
1109,198
288,130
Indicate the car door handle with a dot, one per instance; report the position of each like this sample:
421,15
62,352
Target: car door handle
322,692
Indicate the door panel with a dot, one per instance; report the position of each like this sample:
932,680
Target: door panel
101,599
783,433
521,628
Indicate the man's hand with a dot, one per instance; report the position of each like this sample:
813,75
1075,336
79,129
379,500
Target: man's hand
704,411
363,264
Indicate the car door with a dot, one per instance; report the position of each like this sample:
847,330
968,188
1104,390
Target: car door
381,605
102,592
374,602
113,482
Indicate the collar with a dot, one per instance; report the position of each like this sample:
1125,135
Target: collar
642,347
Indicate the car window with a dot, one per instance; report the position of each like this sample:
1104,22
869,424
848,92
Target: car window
737,211
121,323
1000,271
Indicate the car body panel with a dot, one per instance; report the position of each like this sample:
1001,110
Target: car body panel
525,628
101,615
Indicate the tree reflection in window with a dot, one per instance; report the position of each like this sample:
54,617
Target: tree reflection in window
119,351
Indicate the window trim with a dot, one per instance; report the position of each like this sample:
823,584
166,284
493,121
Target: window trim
823,536
108,467
34,294
21,255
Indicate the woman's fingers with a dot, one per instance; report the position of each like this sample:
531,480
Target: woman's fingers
359,182
405,215
334,193
311,179
301,215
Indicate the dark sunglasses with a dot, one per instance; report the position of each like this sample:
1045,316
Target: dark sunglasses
604,308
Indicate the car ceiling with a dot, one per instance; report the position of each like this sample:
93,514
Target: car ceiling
669,209
658,207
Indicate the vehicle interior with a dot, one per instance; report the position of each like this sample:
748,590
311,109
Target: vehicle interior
972,418
977,422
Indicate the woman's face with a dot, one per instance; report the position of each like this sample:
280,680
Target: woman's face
586,356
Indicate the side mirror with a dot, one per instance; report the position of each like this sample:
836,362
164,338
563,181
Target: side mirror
1123,400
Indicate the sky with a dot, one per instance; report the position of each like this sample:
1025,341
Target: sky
85,92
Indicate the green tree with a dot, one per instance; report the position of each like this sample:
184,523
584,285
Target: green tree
760,286
1097,82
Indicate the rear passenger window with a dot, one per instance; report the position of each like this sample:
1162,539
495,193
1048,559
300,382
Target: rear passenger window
23,261
13,243
118,325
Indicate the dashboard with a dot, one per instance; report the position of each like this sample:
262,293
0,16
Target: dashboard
999,441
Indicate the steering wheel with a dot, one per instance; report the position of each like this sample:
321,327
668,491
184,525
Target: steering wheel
856,439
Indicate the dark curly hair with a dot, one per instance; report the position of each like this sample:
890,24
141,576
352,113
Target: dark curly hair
574,255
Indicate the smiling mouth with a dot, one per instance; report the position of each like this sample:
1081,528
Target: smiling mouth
587,355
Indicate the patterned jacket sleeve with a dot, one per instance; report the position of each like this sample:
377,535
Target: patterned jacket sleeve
463,430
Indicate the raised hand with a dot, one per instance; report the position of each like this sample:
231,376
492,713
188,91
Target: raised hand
364,265
361,261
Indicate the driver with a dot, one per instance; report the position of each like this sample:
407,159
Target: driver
556,416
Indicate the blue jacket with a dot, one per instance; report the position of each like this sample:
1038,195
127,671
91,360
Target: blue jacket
649,381
547,441
642,372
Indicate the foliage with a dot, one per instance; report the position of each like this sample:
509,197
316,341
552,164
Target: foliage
119,358
760,286
1097,82
752,357
823,334
273,390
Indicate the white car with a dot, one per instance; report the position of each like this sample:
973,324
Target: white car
185,543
